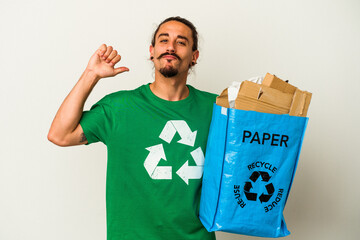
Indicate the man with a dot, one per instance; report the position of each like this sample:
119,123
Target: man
155,137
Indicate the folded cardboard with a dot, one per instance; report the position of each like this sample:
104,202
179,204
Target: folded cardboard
223,99
249,104
300,103
275,82
264,94
272,96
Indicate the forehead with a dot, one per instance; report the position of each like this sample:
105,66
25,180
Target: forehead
175,28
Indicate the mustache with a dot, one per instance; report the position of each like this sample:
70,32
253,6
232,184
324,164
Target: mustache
172,54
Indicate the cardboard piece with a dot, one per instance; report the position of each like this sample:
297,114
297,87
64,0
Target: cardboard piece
272,96
223,100
261,98
275,82
300,103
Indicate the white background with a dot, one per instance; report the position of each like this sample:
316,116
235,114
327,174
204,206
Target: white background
49,192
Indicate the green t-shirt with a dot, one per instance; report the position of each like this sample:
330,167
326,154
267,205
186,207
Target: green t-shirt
155,162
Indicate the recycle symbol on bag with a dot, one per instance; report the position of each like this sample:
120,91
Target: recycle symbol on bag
156,153
265,177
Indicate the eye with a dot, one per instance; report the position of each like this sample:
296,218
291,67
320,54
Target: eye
182,43
163,40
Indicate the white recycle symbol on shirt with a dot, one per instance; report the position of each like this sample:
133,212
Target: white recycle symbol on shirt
156,153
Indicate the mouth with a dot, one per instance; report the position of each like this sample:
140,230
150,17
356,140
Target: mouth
169,57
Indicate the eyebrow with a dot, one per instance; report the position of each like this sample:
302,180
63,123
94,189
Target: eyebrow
178,36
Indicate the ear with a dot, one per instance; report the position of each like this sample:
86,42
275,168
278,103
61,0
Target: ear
195,56
151,50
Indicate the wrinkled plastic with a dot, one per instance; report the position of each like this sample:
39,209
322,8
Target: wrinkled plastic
247,177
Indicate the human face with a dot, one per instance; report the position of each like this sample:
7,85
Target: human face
172,53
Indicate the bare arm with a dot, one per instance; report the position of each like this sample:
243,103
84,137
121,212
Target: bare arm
65,129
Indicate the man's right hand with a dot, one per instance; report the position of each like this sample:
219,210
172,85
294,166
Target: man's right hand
65,129
102,62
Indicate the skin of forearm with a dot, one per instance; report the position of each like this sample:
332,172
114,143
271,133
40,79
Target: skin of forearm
69,114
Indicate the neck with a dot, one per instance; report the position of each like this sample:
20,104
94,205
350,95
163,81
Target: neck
170,89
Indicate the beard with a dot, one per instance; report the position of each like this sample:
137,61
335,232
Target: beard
168,72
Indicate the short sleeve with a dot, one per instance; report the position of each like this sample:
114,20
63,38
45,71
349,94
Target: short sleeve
97,122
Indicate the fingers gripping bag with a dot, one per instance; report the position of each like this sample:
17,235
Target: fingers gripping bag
250,162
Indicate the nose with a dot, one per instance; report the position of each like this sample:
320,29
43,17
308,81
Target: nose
170,47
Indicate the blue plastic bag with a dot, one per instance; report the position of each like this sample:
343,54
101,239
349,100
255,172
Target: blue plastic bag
250,163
